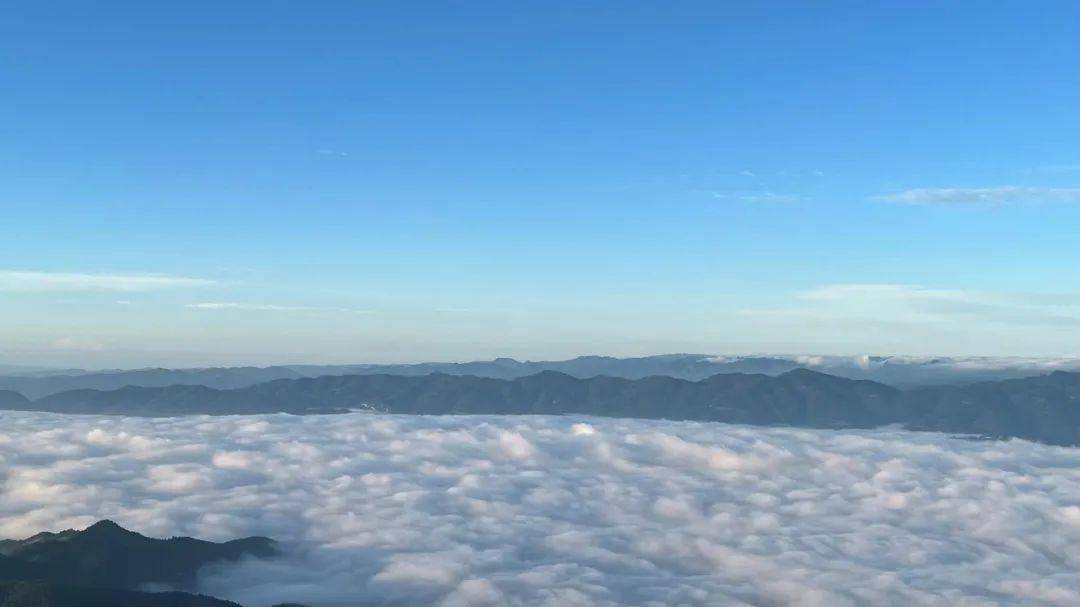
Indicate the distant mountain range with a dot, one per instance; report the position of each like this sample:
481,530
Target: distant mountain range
106,565
38,385
1044,408
902,372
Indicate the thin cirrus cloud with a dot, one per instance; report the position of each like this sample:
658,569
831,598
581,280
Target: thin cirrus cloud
989,196
77,344
880,292
763,197
909,292
1057,169
31,281
233,305
905,302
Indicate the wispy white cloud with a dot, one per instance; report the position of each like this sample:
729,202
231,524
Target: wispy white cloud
898,303
880,292
77,344
989,196
28,281
1058,169
764,197
232,305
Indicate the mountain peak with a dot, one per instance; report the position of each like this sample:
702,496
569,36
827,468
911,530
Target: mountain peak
105,555
106,527
803,372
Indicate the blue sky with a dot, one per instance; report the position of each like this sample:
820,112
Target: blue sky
261,182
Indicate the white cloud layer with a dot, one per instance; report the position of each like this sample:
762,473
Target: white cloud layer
17,280
566,511
1009,194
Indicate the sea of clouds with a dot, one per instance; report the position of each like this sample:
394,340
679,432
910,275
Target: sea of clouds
490,510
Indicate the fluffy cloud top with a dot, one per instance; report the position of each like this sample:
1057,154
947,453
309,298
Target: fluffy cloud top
565,510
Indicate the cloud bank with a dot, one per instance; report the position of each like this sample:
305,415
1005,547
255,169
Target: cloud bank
1010,194
566,511
23,281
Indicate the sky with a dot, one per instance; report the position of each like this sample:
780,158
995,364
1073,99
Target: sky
207,183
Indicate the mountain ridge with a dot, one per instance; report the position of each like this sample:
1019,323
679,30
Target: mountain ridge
28,593
1044,408
897,371
105,555
105,565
